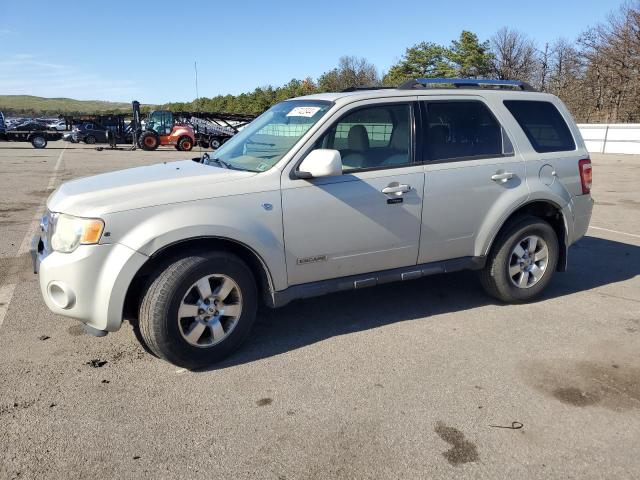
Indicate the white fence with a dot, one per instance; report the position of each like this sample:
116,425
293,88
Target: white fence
612,137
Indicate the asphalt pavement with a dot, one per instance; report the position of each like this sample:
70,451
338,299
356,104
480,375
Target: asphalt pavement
423,379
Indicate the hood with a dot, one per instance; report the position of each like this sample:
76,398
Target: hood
140,187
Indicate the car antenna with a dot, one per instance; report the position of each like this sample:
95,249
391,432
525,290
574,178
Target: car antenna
195,68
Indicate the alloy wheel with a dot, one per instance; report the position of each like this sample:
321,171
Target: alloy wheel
210,310
528,261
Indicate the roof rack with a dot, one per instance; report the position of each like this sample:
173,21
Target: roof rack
466,83
356,89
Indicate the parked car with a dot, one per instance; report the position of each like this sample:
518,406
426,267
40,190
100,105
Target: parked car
3,126
59,125
90,133
328,192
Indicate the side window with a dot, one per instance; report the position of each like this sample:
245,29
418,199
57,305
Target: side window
543,124
372,137
461,130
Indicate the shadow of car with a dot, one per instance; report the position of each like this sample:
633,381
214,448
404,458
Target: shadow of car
593,262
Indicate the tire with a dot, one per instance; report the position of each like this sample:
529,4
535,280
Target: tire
185,144
187,341
89,139
149,141
514,275
214,143
39,141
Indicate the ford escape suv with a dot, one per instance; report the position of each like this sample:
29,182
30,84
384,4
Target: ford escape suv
321,193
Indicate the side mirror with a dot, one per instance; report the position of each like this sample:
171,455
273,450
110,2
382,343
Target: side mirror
320,163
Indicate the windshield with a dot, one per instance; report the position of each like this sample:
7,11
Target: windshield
262,143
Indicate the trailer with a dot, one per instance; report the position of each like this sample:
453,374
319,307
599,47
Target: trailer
212,129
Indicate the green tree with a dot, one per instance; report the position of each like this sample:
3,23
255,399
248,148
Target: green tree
469,57
423,60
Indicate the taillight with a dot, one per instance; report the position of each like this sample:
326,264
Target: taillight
586,174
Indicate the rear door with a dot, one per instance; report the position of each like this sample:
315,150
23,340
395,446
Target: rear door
471,172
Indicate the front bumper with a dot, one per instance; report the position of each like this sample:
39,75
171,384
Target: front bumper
89,284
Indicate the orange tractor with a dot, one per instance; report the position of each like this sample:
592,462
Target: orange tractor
162,129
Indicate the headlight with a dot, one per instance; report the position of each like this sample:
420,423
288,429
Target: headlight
69,232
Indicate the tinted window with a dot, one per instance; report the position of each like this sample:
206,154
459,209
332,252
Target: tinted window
543,124
459,130
372,137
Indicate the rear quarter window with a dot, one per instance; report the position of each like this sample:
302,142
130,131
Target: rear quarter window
543,125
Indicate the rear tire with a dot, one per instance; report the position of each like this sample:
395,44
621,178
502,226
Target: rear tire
214,143
184,323
149,141
522,260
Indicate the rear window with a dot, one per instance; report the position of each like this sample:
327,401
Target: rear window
543,124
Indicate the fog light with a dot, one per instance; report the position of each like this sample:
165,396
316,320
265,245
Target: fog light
62,295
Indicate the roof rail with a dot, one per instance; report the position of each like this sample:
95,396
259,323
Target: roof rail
356,89
466,83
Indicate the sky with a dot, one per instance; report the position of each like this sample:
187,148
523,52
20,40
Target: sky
125,50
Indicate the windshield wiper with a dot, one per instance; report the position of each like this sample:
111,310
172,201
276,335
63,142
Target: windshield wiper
207,160
222,163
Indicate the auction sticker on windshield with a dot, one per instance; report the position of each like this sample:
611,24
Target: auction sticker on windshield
303,112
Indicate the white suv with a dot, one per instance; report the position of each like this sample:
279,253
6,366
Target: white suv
322,193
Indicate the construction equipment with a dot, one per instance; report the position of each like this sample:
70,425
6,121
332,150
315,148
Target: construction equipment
183,130
163,128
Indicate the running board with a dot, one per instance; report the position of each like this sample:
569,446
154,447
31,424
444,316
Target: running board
354,282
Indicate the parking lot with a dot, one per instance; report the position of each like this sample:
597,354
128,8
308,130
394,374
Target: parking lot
412,380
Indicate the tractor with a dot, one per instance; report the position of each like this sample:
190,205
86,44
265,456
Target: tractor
162,129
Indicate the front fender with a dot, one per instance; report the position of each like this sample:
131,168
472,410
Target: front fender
238,218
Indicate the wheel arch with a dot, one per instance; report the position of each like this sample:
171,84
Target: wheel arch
170,252
547,210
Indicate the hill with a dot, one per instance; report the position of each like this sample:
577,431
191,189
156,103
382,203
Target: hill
30,105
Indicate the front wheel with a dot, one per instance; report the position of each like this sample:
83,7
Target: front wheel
199,309
149,141
39,141
185,144
522,261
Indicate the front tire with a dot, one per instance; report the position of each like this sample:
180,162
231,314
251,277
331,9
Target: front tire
89,139
39,141
185,144
522,261
199,309
149,141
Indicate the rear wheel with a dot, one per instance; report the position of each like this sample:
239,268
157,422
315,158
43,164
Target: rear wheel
214,143
522,261
39,141
185,144
149,141
199,309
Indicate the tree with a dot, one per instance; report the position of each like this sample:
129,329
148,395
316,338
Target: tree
612,55
350,72
514,56
470,58
423,60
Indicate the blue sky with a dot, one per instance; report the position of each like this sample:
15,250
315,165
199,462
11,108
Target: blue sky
121,50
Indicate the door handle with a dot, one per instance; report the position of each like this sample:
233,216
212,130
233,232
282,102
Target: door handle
396,188
502,177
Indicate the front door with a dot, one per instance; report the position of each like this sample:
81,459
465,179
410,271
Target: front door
367,219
